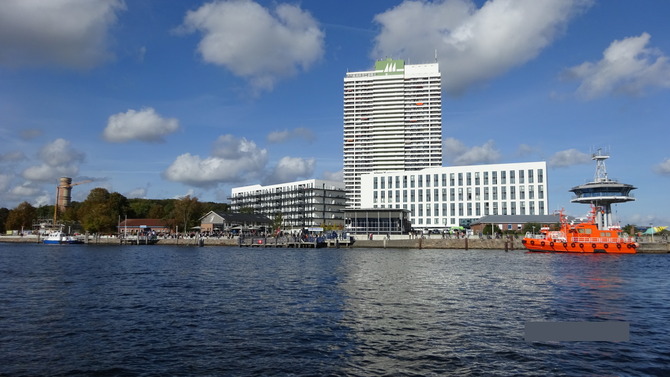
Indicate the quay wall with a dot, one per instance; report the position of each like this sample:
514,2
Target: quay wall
393,243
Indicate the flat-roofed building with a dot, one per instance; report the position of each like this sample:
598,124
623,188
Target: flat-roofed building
459,195
377,221
308,203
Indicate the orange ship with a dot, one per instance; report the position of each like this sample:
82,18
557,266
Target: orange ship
581,238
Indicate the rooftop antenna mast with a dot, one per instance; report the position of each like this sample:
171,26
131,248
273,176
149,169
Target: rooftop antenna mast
601,170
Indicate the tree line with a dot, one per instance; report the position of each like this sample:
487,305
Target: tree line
101,211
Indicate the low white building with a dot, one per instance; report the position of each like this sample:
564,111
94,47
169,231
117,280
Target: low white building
458,195
308,203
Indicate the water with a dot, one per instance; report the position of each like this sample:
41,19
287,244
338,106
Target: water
82,310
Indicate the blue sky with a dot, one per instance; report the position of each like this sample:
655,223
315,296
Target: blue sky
166,98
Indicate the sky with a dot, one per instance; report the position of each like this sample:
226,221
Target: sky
165,98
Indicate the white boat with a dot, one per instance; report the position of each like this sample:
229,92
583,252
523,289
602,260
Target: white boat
58,237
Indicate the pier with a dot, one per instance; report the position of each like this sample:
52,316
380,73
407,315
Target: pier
660,246
294,242
138,239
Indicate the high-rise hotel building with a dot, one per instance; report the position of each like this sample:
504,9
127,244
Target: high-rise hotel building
392,121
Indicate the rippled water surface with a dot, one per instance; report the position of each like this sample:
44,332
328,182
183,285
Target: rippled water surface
82,310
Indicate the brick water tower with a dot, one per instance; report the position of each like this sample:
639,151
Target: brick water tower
64,192
64,195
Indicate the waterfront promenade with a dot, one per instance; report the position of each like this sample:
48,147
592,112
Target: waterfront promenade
395,242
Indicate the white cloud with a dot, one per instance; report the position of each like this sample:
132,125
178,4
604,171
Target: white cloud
458,153
30,192
526,150
25,190
71,33
12,192
279,136
189,192
254,42
663,168
291,169
453,147
30,134
296,133
568,157
42,199
144,125
473,45
5,180
140,192
58,159
234,160
628,66
646,219
337,176
60,152
45,173
13,156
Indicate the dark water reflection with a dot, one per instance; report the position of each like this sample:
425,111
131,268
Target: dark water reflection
162,310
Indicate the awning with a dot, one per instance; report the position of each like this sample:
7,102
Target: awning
654,229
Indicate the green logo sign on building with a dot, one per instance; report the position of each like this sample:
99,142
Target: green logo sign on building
390,67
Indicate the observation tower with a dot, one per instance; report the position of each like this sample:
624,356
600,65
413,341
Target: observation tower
602,192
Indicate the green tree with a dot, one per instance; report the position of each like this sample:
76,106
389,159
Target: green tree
491,229
4,212
277,222
186,212
139,208
71,213
531,227
216,207
100,212
629,229
45,212
156,211
119,205
21,217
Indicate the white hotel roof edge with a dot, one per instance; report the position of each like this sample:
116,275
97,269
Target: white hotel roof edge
337,184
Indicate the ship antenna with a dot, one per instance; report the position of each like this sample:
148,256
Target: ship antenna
601,170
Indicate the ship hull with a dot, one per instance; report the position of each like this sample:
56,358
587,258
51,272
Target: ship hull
535,245
59,238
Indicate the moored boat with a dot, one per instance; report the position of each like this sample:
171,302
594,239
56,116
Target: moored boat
59,237
584,237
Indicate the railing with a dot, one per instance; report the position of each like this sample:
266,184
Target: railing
603,239
583,239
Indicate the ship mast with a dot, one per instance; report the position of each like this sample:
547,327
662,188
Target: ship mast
601,170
